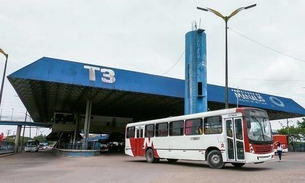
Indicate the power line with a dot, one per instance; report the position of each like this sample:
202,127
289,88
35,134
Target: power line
174,64
252,40
301,60
296,80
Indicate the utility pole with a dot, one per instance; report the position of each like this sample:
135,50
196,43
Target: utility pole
8,132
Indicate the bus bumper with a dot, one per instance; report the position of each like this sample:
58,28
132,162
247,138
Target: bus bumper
259,158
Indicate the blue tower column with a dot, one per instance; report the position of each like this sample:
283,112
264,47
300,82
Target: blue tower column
195,97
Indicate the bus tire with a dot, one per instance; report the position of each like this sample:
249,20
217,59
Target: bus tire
156,160
150,156
172,160
238,165
215,159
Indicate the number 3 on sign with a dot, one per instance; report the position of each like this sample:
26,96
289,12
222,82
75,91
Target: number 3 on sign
108,76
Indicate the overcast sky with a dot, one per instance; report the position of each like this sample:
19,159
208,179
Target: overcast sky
266,43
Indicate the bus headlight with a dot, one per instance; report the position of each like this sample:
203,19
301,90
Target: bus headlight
251,149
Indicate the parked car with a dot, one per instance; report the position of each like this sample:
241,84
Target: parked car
43,146
107,142
112,142
31,146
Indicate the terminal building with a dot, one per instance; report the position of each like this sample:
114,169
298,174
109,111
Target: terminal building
83,98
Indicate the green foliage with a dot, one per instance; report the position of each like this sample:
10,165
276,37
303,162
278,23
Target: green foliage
23,140
297,133
41,138
10,138
301,124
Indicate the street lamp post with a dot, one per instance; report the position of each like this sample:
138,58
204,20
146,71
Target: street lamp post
12,114
226,19
3,78
288,125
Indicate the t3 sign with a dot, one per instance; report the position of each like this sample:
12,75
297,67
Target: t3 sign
108,75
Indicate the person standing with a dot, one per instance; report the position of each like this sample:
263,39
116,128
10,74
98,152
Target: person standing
279,150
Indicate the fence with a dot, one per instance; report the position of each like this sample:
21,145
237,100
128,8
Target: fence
7,147
297,147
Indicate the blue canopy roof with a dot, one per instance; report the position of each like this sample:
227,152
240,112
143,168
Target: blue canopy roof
46,79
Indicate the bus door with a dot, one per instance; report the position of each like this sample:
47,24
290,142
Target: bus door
235,140
139,140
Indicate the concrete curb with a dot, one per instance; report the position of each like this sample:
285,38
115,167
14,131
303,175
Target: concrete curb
6,154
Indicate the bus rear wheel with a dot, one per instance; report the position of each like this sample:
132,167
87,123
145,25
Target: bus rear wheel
150,156
215,159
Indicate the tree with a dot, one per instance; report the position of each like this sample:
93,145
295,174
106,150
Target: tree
301,124
41,138
294,133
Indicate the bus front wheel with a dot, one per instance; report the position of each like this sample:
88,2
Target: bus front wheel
215,159
150,156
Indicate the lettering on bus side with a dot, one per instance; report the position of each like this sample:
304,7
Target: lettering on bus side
195,138
108,75
147,143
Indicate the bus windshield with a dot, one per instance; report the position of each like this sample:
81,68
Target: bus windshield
259,129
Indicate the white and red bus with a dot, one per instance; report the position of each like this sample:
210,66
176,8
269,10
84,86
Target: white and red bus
236,136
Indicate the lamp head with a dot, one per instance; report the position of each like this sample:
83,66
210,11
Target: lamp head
5,54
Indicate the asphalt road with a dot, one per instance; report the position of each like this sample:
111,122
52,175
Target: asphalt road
46,167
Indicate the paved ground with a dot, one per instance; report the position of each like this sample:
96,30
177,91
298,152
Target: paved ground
46,167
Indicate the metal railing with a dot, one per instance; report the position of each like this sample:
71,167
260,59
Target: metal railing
7,147
79,145
297,147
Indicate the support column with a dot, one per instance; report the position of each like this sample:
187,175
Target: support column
22,142
17,138
87,124
75,129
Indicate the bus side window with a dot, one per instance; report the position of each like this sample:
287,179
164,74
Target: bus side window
213,125
149,130
200,130
130,132
162,129
176,128
229,128
188,127
238,127
192,126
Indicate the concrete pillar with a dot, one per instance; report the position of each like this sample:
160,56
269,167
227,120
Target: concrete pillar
87,123
195,99
75,129
17,138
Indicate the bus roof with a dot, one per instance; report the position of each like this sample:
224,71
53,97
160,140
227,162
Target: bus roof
196,115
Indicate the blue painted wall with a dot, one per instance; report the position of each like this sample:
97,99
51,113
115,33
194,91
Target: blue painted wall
195,95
